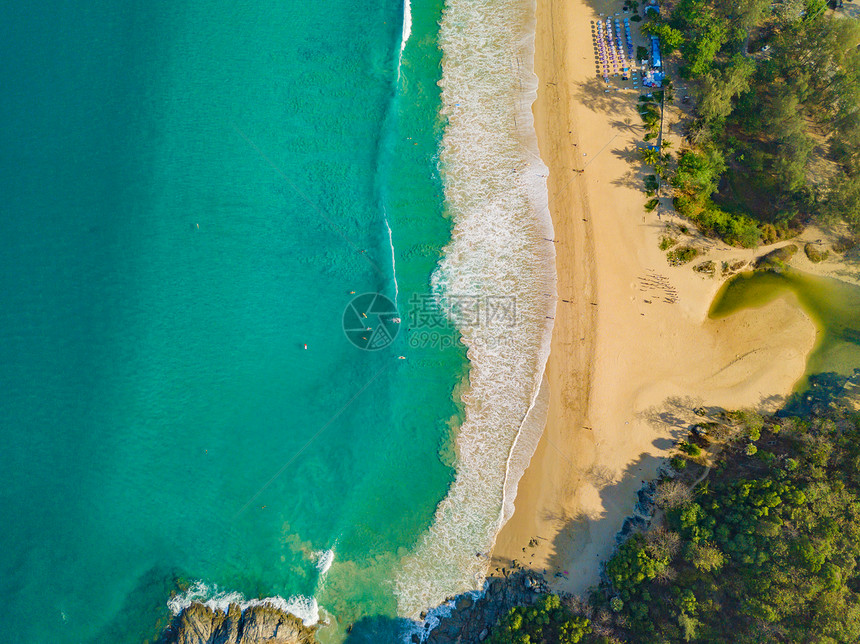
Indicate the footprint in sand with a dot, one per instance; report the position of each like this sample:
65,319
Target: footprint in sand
658,287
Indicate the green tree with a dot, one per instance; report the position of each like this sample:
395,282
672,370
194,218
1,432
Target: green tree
670,38
706,557
649,156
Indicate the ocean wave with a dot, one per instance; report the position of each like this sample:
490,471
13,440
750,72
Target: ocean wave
393,262
324,559
407,24
305,608
407,32
495,192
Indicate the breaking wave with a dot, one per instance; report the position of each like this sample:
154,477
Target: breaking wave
305,608
500,266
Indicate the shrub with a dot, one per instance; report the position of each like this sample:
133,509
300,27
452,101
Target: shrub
751,450
814,254
844,245
766,457
776,259
678,463
690,449
651,204
706,268
771,233
682,255
667,242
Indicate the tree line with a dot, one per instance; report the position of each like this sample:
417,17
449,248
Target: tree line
774,141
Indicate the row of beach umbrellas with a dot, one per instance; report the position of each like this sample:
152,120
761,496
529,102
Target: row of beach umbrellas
610,48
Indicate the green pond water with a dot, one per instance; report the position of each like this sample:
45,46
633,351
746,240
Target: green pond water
833,305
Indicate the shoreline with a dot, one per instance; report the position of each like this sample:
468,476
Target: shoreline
495,191
632,348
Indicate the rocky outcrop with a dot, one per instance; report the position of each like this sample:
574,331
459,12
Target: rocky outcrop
471,620
199,624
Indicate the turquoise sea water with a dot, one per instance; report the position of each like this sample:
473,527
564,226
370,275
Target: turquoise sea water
191,192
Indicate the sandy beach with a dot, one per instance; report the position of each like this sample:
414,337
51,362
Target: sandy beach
632,350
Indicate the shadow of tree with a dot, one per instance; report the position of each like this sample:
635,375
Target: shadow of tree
822,392
594,93
674,416
634,178
630,155
628,124
623,493
371,630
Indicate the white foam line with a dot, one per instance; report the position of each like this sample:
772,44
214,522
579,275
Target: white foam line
407,24
407,32
393,263
324,559
524,448
305,608
495,191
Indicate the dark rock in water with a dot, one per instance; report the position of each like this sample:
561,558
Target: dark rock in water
199,624
464,602
472,619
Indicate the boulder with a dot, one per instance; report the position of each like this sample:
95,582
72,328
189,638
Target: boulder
465,602
199,624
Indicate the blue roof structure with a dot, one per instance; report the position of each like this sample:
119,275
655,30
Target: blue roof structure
656,60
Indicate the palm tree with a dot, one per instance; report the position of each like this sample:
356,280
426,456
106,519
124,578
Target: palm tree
649,155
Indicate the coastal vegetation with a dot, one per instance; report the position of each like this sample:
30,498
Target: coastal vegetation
682,255
548,621
763,550
773,140
755,537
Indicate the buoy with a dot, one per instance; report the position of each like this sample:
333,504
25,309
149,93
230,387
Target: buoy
306,347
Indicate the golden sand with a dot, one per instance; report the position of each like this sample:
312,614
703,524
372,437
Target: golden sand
632,349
